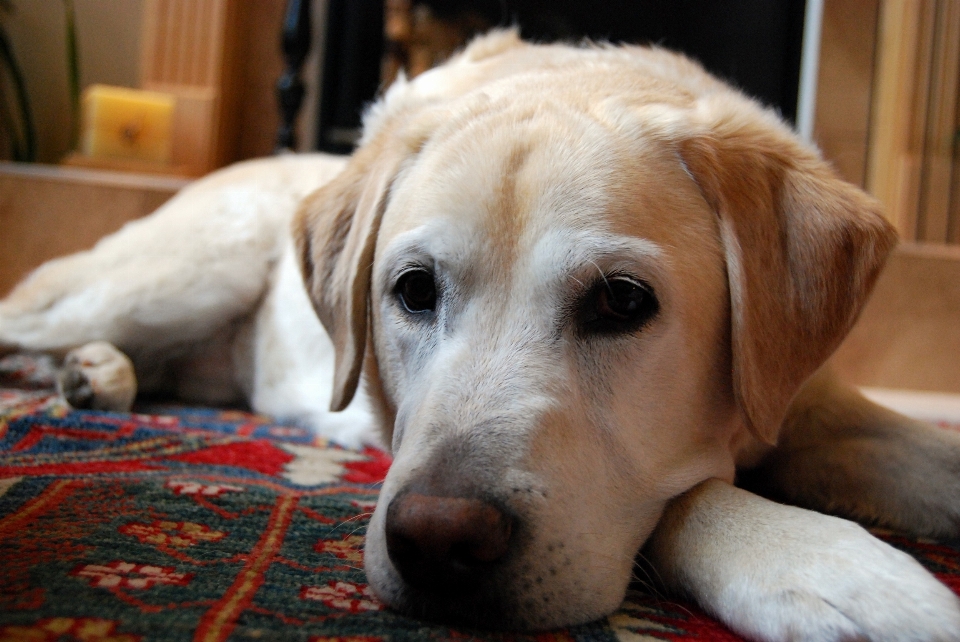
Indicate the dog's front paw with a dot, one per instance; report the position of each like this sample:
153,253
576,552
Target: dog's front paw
98,376
775,573
837,582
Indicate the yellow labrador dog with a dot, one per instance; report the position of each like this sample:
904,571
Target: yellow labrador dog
585,287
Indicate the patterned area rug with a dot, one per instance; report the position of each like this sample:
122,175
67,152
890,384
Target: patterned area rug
177,523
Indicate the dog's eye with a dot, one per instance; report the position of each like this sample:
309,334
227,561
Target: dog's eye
417,291
619,304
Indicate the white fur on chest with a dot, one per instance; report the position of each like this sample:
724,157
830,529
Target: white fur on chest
292,363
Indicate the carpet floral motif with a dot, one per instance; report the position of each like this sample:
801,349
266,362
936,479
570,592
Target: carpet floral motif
174,523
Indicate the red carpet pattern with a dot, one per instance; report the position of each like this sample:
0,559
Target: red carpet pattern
177,523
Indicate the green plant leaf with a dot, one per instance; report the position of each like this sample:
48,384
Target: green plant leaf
26,149
73,70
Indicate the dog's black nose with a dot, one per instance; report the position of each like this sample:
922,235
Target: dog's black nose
445,544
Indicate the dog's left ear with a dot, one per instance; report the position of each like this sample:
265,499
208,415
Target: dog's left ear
335,232
803,250
336,228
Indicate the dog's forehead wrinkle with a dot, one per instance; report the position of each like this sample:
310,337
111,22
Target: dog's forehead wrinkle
565,255
504,136
504,199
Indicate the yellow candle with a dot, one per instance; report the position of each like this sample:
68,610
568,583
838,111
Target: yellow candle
127,123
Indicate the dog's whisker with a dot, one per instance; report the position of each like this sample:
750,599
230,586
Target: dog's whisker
650,566
602,275
652,585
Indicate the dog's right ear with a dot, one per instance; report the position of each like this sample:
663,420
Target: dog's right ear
803,249
335,232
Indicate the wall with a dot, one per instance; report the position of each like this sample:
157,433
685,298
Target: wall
845,84
108,33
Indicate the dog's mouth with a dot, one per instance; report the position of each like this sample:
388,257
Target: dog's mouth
476,562
482,607
509,595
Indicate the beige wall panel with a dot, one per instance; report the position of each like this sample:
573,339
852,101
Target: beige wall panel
47,212
909,334
108,32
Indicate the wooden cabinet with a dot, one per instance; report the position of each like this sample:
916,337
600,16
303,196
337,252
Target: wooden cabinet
887,117
914,129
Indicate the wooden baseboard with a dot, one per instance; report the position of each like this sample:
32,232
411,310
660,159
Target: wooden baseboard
908,336
47,211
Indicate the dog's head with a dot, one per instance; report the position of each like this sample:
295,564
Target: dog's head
579,281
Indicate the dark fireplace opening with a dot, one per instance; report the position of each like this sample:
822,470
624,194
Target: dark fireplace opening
754,44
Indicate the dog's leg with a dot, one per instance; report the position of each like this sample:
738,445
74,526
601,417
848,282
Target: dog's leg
775,572
155,290
98,376
842,454
167,283
95,375
158,283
